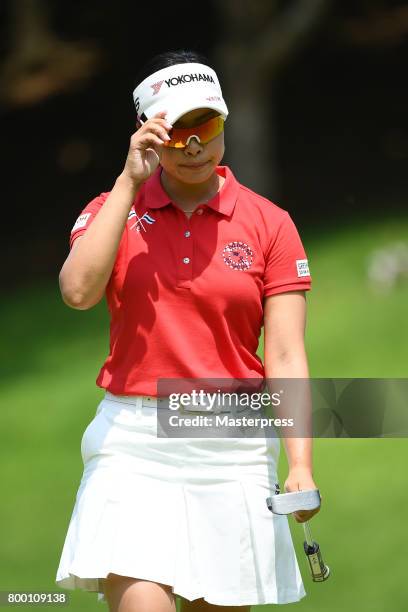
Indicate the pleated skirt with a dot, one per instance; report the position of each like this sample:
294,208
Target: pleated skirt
190,513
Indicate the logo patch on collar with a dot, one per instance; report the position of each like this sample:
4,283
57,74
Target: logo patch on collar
139,223
238,255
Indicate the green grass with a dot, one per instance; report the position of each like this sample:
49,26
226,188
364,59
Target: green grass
51,356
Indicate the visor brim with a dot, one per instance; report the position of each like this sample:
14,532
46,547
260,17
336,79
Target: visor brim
177,107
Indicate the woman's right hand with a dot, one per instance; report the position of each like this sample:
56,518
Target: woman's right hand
145,148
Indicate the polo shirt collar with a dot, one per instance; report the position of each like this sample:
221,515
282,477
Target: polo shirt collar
156,197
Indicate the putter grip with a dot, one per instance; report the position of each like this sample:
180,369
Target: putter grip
318,569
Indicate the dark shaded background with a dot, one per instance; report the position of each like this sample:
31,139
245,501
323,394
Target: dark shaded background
341,125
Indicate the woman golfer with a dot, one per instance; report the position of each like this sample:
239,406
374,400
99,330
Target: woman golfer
192,264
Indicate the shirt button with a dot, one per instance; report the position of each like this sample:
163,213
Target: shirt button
187,234
199,211
186,260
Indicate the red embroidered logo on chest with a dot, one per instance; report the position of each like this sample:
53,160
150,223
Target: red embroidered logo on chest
238,255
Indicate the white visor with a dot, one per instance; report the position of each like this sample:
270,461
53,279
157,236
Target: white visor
179,89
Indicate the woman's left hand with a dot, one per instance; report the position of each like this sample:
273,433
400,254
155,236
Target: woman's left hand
300,479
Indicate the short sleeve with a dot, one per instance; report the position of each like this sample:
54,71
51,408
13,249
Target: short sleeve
286,264
86,217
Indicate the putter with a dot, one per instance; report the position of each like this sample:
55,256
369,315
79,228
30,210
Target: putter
286,503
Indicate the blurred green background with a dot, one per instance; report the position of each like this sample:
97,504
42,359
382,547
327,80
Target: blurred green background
54,353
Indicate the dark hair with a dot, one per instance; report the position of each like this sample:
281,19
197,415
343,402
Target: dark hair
169,58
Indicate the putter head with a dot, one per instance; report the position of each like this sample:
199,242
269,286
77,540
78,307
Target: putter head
286,503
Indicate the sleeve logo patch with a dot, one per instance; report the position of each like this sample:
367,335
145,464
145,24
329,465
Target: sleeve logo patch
302,267
81,221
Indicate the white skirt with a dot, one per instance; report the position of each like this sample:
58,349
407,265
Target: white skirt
186,512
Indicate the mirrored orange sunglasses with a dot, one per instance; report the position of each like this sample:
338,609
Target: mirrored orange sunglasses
180,137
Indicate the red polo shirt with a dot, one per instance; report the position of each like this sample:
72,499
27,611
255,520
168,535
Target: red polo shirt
186,294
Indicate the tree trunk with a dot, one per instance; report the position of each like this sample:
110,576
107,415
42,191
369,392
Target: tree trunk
249,135
259,38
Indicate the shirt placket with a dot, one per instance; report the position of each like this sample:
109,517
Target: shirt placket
186,250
